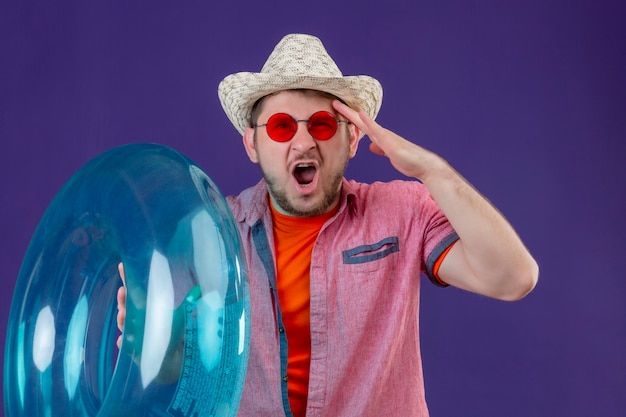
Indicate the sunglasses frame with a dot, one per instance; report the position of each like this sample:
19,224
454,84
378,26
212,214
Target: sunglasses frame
296,122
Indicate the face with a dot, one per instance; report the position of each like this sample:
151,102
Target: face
303,174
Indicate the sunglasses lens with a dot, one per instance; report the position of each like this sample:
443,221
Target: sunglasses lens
322,125
281,127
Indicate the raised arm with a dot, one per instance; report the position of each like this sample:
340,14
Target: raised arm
489,258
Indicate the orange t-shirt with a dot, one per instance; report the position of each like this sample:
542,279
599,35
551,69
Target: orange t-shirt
294,238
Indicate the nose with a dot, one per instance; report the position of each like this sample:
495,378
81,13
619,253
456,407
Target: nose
302,141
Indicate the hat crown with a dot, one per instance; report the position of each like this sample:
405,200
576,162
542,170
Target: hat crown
297,62
301,55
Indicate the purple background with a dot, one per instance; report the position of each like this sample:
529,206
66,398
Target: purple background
527,99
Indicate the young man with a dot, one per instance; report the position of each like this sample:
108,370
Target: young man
334,265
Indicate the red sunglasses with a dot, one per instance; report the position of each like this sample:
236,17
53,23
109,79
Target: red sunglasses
281,127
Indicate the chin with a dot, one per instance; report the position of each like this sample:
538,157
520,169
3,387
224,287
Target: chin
296,204
311,208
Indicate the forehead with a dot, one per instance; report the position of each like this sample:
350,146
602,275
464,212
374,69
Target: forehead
296,101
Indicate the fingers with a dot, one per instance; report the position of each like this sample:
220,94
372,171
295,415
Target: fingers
120,268
376,149
121,304
121,312
121,307
363,121
349,114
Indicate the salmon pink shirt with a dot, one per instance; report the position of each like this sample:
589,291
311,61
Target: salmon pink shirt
364,302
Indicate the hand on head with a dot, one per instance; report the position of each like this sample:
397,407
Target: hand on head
407,157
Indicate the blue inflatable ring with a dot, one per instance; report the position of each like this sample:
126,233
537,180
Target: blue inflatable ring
185,342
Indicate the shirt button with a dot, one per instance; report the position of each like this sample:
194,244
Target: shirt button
285,378
281,329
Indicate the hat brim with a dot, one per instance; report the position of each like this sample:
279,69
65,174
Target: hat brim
238,92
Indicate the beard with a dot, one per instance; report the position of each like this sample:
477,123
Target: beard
330,190
330,197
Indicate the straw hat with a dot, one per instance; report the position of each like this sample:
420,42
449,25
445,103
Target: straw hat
297,62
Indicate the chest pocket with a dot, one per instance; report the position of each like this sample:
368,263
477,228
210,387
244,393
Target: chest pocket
369,253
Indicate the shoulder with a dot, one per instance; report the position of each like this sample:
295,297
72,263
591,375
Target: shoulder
399,201
388,193
250,204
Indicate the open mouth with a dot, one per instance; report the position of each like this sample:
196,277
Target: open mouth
304,173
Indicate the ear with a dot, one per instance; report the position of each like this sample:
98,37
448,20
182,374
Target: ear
354,139
250,145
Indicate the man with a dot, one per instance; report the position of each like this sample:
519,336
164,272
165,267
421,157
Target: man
334,265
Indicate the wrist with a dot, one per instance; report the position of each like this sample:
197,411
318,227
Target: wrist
436,170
